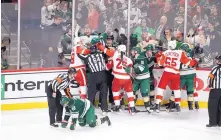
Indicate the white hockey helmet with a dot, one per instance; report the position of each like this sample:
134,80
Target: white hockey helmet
172,45
121,48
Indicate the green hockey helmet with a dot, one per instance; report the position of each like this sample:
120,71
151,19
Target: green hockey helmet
149,47
95,40
185,47
64,100
137,49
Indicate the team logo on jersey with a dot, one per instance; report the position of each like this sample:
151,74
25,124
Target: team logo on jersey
142,62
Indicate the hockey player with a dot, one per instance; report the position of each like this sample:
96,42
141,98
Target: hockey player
81,111
151,63
79,65
122,67
187,77
142,78
171,60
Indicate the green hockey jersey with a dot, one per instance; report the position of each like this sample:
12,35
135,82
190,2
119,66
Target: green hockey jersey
79,107
141,67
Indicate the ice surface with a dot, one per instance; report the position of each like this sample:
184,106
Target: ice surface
34,125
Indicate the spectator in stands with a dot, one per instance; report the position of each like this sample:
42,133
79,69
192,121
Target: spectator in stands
47,13
93,16
4,44
200,18
179,23
65,46
161,28
167,10
81,13
214,39
215,16
65,12
143,27
168,36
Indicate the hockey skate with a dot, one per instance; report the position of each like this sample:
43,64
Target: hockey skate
178,108
107,119
157,108
170,106
190,105
148,107
196,105
133,111
116,108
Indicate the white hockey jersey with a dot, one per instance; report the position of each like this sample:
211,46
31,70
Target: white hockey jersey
76,62
118,69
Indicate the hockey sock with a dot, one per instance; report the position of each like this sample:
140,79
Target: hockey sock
177,95
159,95
130,98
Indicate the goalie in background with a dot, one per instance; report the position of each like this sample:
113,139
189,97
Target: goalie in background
81,111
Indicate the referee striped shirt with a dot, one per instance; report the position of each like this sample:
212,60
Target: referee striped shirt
61,83
95,62
214,79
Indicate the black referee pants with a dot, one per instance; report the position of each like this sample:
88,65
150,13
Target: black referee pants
214,107
55,108
98,82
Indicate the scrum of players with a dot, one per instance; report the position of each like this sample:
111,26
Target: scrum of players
136,73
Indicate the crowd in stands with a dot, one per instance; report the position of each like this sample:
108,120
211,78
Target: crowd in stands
152,21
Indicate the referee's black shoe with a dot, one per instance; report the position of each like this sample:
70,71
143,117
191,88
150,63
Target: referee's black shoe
209,125
54,125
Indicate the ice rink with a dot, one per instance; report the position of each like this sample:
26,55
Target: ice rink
34,125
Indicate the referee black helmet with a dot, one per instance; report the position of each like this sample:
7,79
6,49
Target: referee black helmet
72,71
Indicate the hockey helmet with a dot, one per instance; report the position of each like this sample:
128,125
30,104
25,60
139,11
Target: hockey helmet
95,40
218,57
64,100
137,49
185,47
172,44
149,47
121,48
72,70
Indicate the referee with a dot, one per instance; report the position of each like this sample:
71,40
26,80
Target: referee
97,80
58,87
214,103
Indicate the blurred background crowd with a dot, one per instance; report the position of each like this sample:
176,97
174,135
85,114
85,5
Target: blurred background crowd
46,27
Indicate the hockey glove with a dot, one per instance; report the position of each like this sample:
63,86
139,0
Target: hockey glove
159,54
100,46
64,124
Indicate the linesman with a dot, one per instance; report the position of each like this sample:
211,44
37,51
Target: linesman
97,80
56,88
214,103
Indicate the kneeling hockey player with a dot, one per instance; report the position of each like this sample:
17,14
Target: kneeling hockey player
83,111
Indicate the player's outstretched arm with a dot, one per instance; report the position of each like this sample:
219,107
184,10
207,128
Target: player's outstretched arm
107,51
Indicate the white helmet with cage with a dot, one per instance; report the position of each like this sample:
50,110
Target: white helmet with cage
122,48
172,45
